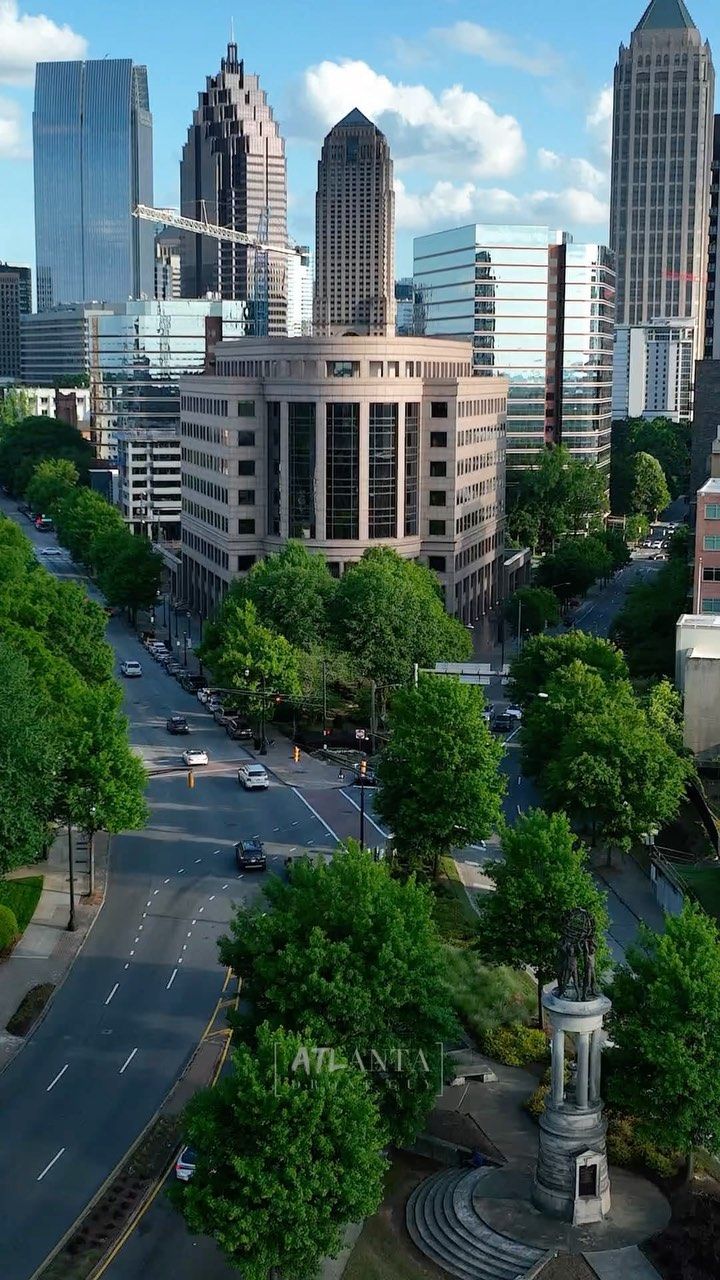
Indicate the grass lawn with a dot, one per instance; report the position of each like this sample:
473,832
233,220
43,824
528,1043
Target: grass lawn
454,915
22,897
384,1251
487,996
705,884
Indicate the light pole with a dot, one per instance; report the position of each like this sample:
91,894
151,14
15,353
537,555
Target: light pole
71,926
91,852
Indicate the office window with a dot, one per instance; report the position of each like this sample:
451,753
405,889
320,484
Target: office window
438,409
438,469
437,498
245,562
343,368
246,439
438,439
342,485
246,408
412,434
382,488
246,498
437,563
273,466
711,575
246,526
246,467
301,469
436,529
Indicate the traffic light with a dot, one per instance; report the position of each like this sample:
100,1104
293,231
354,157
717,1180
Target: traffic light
296,755
191,779
363,767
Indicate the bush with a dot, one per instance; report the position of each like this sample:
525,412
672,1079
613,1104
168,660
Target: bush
628,1150
8,928
516,1045
486,997
535,1104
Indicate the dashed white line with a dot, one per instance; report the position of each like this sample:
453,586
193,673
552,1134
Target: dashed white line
132,953
226,886
216,851
147,904
315,814
127,1062
112,993
49,1166
179,959
194,922
137,939
201,909
184,946
180,872
197,860
144,915
59,1076
166,881
211,898
140,928
294,824
127,966
276,828
155,891
173,976
188,935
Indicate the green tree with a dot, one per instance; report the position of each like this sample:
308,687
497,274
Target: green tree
570,693
29,754
349,956
668,442
439,777
617,548
554,497
129,569
542,875
80,519
292,592
236,643
24,444
532,609
388,613
541,656
665,1025
72,626
15,406
664,710
646,624
52,480
680,544
574,565
650,493
286,1157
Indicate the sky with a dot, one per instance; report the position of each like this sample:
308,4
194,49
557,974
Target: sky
495,110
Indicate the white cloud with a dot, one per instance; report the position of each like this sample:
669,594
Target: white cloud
10,131
599,120
548,159
495,47
575,169
447,204
26,39
453,131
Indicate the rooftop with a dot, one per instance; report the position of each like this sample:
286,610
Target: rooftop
712,485
665,15
353,119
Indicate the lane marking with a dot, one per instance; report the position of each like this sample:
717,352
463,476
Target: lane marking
144,915
194,922
179,959
211,898
315,814
156,891
372,822
189,935
59,1076
112,993
127,1061
173,976
293,824
140,928
137,939
197,860
127,966
49,1166
216,851
147,904
184,946
201,909
225,886
132,953
276,828
166,881
181,871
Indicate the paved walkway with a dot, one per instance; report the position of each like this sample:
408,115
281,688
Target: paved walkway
46,949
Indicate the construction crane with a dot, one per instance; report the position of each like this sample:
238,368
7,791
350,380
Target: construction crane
171,218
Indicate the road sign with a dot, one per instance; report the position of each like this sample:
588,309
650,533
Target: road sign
360,734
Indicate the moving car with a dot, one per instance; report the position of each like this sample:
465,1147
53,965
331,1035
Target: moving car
253,777
44,524
185,1164
250,855
503,723
195,756
131,669
178,724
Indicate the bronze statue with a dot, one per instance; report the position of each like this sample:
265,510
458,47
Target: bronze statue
578,944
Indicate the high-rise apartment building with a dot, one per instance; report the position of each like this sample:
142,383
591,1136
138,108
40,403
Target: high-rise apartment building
92,151
15,301
653,370
355,231
539,311
661,159
233,173
712,301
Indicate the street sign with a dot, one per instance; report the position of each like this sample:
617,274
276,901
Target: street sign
360,734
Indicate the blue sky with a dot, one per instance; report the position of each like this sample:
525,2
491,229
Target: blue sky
494,111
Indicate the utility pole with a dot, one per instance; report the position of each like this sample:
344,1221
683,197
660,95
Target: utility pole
71,922
373,716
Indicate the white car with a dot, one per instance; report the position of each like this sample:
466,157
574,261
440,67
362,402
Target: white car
253,777
131,669
51,551
515,713
193,756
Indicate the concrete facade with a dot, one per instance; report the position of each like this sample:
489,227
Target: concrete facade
149,481
344,443
653,371
355,231
697,675
705,421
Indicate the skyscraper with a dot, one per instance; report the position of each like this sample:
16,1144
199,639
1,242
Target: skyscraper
15,300
661,157
92,148
355,231
233,173
712,301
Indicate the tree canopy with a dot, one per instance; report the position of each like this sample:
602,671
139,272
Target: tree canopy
646,624
287,1155
292,592
349,956
236,643
440,784
542,875
650,493
532,609
574,565
52,480
668,442
557,496
541,656
29,755
32,440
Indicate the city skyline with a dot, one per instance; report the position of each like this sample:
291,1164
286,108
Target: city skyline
528,114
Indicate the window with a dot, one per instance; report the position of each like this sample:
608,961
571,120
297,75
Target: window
711,606
342,484
437,498
382,486
376,368
438,409
438,439
412,434
246,408
245,563
711,542
246,498
437,563
438,469
301,469
437,529
246,467
343,368
246,526
711,575
246,439
712,511
273,466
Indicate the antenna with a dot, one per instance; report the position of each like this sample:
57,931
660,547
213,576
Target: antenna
232,30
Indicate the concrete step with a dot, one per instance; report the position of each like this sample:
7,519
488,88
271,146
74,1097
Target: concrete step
445,1227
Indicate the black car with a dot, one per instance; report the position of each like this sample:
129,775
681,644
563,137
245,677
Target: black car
239,730
503,724
192,682
250,855
178,724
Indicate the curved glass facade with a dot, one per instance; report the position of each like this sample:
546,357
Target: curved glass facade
92,146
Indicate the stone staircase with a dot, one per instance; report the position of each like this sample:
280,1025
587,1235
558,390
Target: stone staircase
444,1225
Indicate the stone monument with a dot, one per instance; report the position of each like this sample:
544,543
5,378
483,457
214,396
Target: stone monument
571,1180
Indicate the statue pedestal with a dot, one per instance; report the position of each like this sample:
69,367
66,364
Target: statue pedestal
571,1179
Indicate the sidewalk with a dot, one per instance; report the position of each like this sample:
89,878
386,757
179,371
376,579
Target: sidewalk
46,950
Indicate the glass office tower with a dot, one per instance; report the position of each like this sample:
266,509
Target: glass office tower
539,310
92,149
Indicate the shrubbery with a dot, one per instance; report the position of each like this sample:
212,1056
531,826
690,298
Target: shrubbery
515,1045
8,928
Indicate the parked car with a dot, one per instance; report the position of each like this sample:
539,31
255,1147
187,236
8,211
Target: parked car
213,704
44,524
239,730
203,694
195,756
221,716
159,652
503,723
185,1164
173,667
515,713
177,724
253,777
250,855
191,682
131,669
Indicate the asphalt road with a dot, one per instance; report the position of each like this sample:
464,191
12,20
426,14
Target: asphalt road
138,997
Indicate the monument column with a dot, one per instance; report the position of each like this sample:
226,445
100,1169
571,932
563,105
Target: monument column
558,1066
582,1080
595,1065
